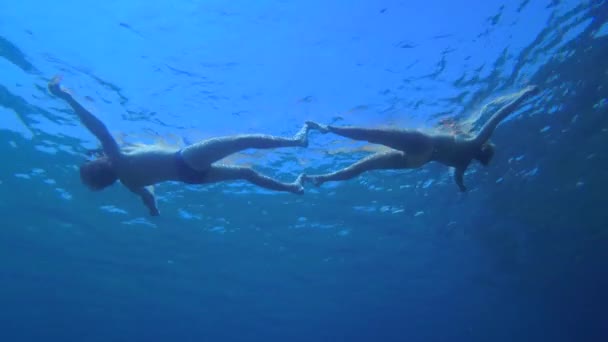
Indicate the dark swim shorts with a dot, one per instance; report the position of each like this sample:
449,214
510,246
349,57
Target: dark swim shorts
186,173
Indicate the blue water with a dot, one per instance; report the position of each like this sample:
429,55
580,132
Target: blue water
388,256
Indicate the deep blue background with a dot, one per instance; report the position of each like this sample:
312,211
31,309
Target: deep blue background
389,256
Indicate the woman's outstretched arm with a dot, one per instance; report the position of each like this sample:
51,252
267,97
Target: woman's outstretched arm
92,123
486,131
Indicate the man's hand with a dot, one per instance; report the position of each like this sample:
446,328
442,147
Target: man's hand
147,196
154,211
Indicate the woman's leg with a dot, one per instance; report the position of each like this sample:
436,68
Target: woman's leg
377,161
221,173
399,139
201,155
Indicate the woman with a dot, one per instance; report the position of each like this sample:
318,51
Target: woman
138,170
413,149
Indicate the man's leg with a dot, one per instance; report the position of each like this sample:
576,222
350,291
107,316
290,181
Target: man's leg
201,155
222,173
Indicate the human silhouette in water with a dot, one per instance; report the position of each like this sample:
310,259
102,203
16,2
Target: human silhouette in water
412,149
141,168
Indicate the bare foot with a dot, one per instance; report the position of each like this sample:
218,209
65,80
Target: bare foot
297,184
56,89
532,90
302,136
319,127
315,180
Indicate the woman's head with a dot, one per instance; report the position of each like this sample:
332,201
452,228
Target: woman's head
485,153
98,174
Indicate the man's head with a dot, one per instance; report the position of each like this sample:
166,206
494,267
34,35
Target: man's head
98,174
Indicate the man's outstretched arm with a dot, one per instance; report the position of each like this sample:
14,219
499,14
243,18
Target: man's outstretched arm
90,121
